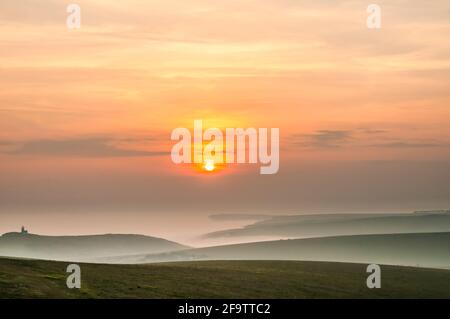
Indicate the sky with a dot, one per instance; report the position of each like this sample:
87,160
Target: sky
86,114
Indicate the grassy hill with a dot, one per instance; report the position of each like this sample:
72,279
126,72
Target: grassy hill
421,249
219,279
81,247
340,224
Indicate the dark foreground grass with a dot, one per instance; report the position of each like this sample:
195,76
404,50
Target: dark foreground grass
219,279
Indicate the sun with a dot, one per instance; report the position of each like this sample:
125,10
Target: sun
209,165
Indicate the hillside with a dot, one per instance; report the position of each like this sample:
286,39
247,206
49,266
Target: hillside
303,226
219,279
421,249
81,247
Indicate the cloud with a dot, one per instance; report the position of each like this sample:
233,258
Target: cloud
81,147
323,138
371,131
362,138
402,144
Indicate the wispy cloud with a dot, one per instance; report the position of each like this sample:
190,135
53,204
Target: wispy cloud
323,138
362,138
402,144
80,147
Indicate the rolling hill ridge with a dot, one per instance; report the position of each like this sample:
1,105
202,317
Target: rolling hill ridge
79,248
417,249
304,226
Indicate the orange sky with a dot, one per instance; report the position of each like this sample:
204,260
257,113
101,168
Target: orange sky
103,99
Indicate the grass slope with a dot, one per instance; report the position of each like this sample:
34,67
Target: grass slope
219,279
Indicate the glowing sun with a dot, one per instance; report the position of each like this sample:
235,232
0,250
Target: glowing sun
209,165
